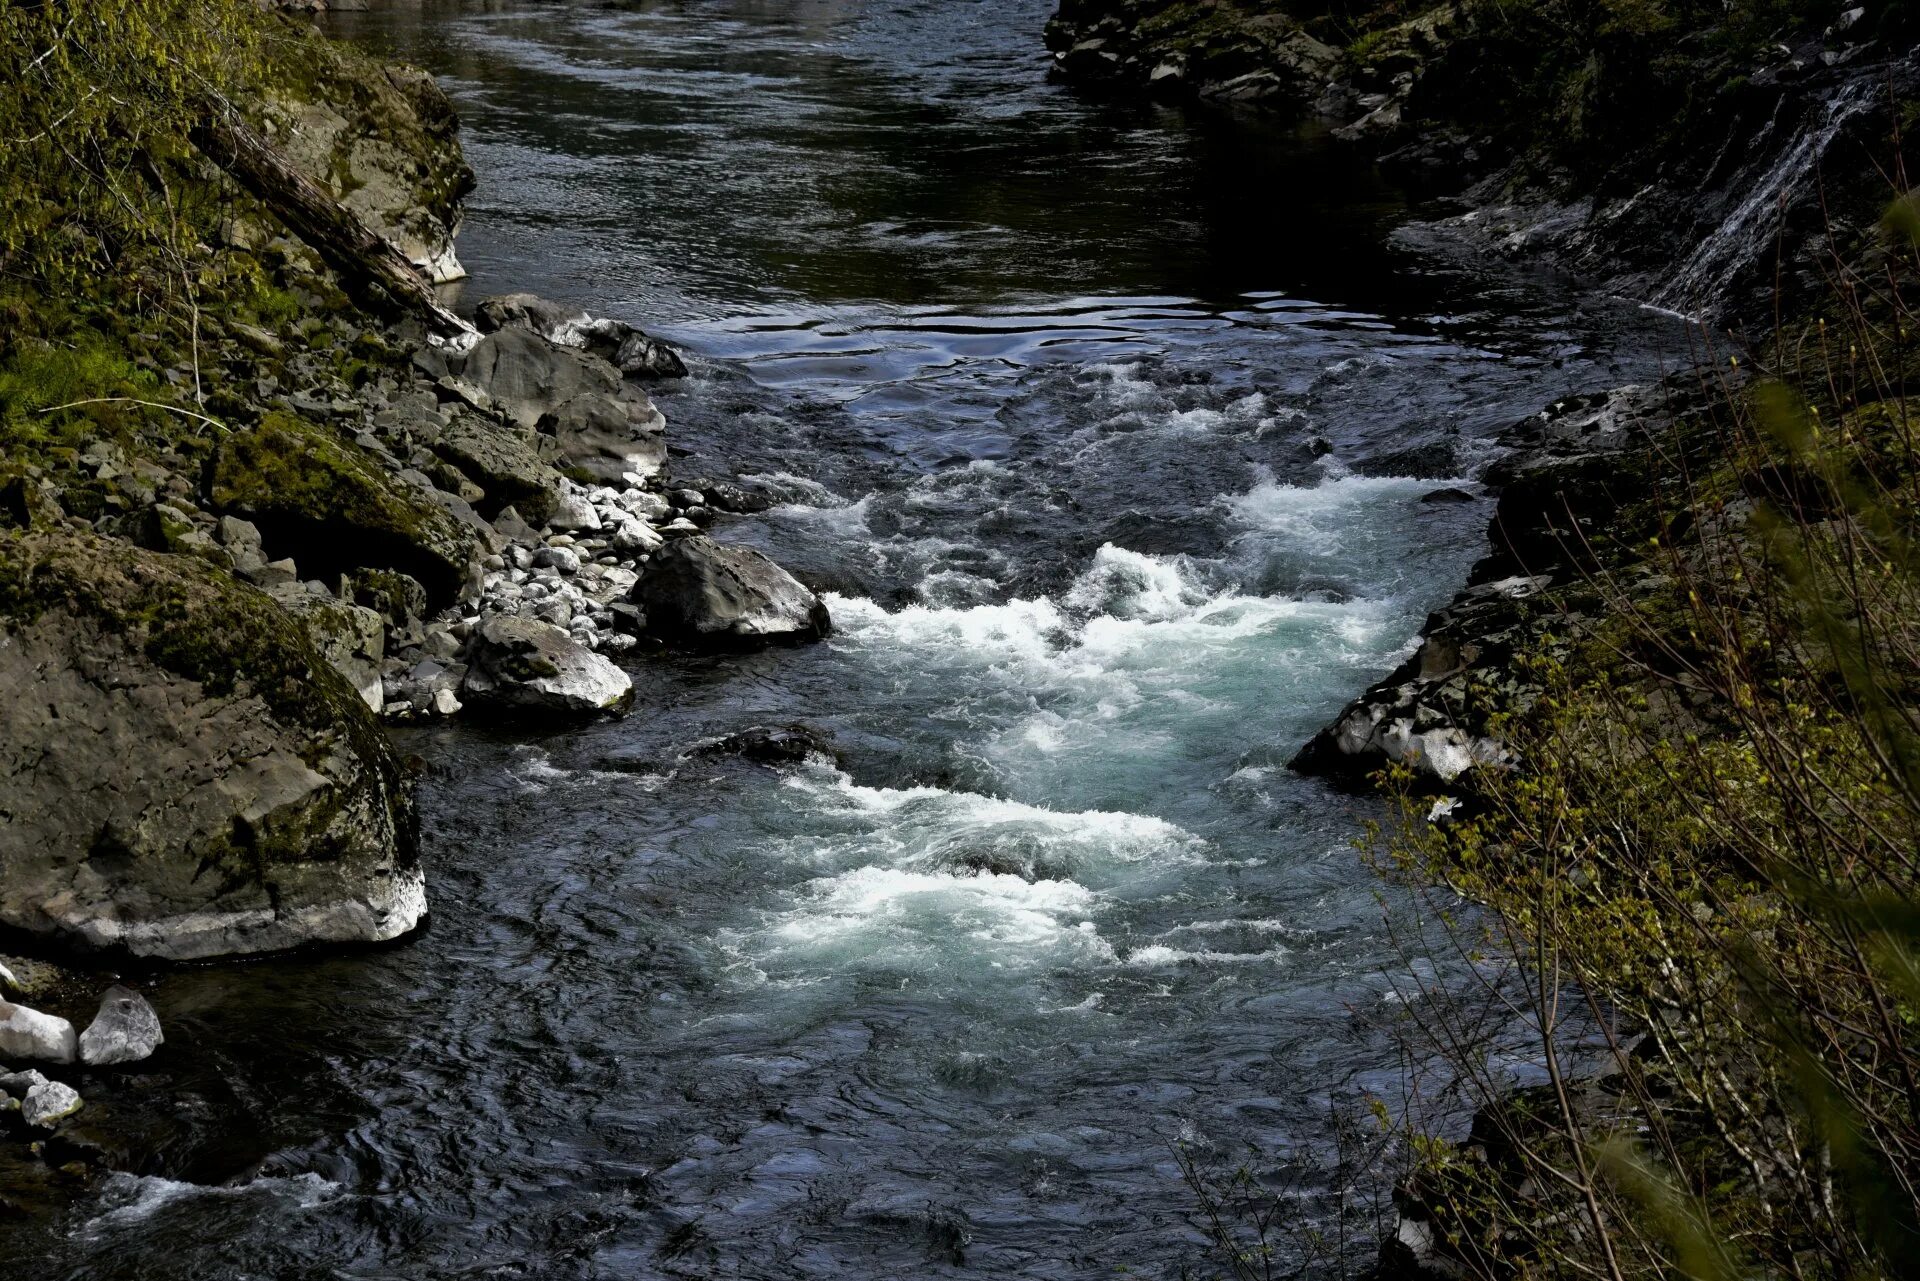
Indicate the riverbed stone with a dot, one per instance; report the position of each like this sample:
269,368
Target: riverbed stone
529,668
706,595
49,1103
26,1033
125,1030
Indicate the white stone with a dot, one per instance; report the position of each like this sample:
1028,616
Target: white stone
125,1031
48,1103
28,1034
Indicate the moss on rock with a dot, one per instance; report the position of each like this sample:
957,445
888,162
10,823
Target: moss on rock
323,502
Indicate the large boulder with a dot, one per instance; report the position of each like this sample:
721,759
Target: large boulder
181,773
526,376
505,462
385,141
125,1030
524,667
328,506
26,1033
706,595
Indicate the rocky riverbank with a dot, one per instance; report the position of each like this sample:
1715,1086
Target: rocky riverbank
237,535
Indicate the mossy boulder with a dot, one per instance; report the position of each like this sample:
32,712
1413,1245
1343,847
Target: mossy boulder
327,505
385,141
182,774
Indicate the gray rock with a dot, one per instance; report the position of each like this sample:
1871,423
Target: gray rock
26,1033
563,559
521,666
705,595
188,781
504,463
49,1103
385,143
528,377
609,437
574,512
642,356
125,1030
634,353
350,637
636,536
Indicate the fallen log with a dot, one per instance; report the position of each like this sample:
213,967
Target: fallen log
373,270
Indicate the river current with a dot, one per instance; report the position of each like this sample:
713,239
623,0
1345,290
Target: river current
1110,429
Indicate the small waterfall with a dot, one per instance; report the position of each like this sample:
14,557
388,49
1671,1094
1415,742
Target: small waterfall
1751,226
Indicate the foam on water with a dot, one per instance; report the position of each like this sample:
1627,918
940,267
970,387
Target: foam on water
129,1199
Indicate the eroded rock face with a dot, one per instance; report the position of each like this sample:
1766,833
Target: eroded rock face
385,141
524,667
706,595
220,788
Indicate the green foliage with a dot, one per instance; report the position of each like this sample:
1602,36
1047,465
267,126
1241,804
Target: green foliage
1712,839
100,98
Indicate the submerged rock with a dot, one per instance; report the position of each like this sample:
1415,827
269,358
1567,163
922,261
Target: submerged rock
125,1030
220,789
521,666
706,595
771,745
26,1033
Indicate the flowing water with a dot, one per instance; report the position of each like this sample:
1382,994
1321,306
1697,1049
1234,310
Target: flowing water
1108,428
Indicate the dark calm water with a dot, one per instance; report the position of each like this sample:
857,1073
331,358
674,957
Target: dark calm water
1095,419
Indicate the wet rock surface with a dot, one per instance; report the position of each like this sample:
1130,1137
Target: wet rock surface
526,667
706,595
1567,471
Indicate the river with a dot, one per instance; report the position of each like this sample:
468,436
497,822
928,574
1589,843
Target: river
1108,427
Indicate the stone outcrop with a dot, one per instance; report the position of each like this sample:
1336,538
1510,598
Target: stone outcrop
705,595
529,668
384,141
1219,50
220,788
1569,470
